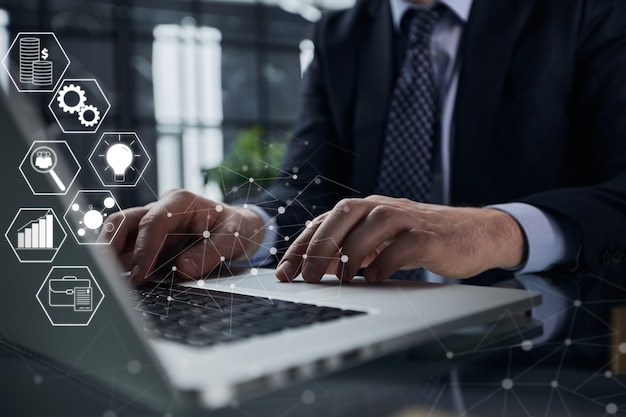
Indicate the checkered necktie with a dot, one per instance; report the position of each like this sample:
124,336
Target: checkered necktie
405,169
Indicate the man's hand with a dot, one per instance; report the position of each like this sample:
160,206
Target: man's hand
184,230
388,234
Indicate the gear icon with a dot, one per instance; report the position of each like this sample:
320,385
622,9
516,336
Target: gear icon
92,112
71,109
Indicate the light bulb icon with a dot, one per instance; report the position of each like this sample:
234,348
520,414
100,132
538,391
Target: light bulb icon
119,157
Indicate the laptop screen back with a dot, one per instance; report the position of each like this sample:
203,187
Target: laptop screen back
67,308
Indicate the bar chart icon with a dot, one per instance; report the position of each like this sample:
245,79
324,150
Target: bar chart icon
36,235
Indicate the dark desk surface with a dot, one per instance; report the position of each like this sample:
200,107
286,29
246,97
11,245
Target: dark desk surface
506,382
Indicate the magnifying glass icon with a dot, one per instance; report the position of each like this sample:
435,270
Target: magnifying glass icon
43,160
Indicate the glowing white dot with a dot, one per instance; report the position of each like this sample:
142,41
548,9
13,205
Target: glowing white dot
568,342
306,142
507,383
281,210
236,234
219,208
304,256
294,176
169,298
344,258
81,232
286,238
273,251
318,181
75,207
169,214
222,259
174,268
554,384
232,286
611,408
449,355
622,348
250,179
608,374
527,345
109,202
254,271
200,283
206,234
308,397
133,367
577,303
244,168
93,219
37,379
295,170
245,206
308,223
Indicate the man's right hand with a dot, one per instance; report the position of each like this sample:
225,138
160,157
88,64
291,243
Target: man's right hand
184,230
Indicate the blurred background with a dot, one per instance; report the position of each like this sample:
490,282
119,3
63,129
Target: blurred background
202,82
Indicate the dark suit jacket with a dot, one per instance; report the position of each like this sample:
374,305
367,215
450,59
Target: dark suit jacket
540,116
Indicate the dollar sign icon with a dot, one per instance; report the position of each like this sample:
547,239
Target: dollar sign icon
44,53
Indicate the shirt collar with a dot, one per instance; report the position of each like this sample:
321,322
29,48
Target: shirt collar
461,9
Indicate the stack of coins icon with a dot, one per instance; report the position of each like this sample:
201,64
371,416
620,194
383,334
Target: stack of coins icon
29,53
42,72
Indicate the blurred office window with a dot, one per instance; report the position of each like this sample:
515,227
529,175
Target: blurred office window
307,51
189,76
187,82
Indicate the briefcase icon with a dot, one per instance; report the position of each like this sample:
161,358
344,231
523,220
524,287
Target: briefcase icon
61,292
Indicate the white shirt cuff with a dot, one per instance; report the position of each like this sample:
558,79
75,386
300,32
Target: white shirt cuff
547,239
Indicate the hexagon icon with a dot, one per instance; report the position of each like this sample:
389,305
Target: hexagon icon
41,170
87,214
119,159
35,235
36,62
70,296
79,106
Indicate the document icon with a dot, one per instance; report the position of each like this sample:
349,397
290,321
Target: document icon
82,299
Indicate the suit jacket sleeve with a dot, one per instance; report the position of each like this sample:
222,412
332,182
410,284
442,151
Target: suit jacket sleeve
314,162
598,114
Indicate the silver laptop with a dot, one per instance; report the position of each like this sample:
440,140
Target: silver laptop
178,346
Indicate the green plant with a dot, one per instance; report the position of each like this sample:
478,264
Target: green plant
252,156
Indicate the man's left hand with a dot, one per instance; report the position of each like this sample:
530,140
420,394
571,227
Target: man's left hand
386,234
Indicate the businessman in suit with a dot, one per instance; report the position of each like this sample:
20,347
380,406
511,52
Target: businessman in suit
456,136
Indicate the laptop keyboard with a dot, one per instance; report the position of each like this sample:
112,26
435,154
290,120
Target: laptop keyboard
202,317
